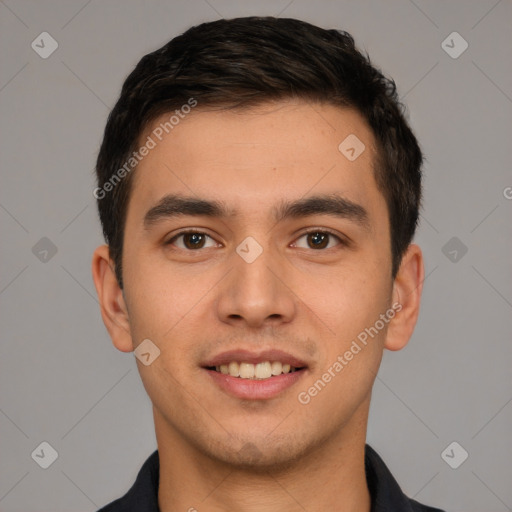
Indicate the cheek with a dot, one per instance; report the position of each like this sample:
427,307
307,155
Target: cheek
163,308
352,354
160,295
346,300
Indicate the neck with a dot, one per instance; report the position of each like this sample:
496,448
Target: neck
330,477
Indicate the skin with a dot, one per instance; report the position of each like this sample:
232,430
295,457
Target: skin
218,452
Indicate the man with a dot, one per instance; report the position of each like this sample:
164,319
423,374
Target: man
259,188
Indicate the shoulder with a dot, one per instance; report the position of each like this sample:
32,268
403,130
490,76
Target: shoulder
418,507
385,491
143,495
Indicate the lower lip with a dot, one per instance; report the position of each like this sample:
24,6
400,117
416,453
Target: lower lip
255,389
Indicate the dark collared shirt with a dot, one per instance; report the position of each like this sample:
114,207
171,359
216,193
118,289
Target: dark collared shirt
386,495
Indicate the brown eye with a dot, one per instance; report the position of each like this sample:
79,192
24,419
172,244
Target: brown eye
193,240
190,240
319,240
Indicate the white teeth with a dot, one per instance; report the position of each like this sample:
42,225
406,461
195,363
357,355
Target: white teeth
263,370
277,368
246,370
234,369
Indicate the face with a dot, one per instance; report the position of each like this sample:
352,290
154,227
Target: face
268,271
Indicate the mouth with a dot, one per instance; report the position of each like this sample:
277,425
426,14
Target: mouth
251,376
258,371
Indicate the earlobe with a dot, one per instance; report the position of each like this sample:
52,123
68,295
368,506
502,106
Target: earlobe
111,299
407,288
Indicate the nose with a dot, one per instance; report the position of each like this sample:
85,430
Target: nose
256,294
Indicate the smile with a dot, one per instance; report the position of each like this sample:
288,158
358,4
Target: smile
263,370
255,375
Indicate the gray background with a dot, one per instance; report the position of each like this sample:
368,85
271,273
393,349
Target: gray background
61,379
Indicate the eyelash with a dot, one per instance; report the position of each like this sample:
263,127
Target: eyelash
341,241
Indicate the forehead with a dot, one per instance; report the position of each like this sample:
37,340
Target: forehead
255,157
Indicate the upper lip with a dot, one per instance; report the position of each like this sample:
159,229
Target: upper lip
248,356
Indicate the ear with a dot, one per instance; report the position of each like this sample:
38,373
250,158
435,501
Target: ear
407,289
111,299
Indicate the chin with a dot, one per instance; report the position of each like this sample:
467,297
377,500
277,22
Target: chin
260,455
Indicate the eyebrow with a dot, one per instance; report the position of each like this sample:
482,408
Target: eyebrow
175,205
